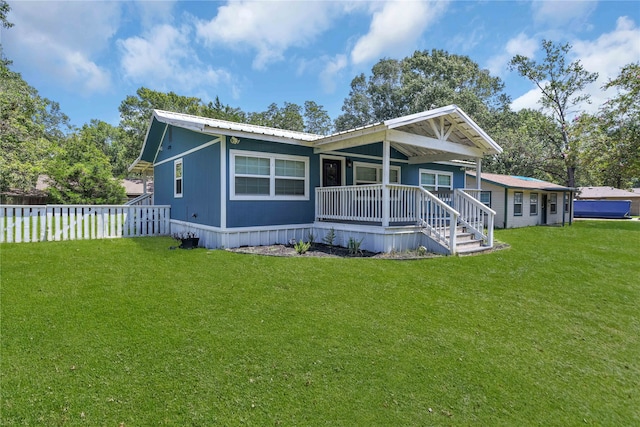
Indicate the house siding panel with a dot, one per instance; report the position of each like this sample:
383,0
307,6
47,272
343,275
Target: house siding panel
252,213
200,202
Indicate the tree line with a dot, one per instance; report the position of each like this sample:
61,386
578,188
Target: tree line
557,142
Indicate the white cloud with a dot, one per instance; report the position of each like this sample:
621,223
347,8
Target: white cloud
528,100
606,55
61,40
519,45
559,14
331,70
163,58
395,27
270,28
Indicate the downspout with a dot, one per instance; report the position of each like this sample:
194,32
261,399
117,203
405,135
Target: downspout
564,196
570,207
506,206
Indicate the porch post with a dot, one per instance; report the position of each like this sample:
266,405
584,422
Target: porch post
386,157
479,174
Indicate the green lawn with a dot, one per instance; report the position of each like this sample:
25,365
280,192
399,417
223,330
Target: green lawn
126,331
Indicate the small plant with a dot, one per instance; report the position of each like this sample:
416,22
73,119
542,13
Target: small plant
422,251
354,246
302,247
311,238
330,237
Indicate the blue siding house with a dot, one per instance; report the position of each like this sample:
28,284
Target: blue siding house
395,185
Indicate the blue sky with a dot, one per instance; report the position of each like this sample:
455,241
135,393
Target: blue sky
90,55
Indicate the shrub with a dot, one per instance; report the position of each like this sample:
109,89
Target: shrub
354,246
302,247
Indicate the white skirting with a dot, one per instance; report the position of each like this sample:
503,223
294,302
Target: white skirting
374,238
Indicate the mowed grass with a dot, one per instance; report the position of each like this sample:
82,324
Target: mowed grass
128,332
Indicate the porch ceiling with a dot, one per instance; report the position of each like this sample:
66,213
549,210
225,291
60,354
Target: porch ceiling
445,133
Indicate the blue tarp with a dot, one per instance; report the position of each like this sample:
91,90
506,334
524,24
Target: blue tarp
601,208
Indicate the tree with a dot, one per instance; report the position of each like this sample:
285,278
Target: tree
561,85
521,135
288,117
611,139
421,82
4,10
113,141
29,125
357,107
316,119
80,173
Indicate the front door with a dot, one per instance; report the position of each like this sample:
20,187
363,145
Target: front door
331,172
543,207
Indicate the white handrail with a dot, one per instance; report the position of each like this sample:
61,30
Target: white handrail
439,219
473,213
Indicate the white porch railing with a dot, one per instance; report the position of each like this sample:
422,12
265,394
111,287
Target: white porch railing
475,215
26,223
407,205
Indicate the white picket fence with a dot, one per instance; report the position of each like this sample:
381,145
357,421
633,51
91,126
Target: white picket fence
37,223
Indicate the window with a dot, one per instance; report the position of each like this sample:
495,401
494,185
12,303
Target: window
517,203
553,203
177,178
436,180
533,204
268,176
367,173
485,197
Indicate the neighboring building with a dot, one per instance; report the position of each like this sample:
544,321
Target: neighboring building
610,193
37,196
238,184
134,188
521,201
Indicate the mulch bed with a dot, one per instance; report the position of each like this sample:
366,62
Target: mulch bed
322,250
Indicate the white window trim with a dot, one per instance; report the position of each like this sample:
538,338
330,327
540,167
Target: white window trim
552,210
536,204
378,168
272,175
175,179
436,172
521,204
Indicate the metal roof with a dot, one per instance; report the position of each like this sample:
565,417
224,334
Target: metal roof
520,182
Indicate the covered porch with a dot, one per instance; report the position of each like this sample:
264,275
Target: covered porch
448,220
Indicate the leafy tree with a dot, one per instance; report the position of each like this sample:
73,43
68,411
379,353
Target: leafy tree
316,119
288,117
113,141
561,85
4,10
80,173
29,125
438,78
521,135
611,139
357,107
423,81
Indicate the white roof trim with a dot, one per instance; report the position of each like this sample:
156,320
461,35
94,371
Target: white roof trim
207,125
